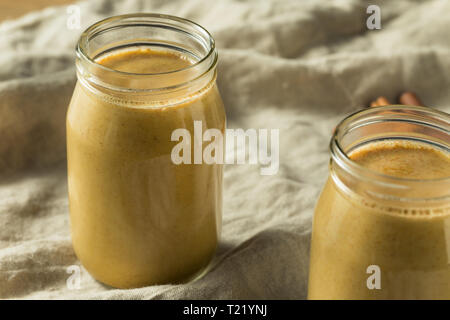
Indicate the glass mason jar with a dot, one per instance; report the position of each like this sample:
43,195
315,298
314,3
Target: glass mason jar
137,217
377,236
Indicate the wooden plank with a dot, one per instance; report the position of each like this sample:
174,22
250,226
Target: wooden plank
11,9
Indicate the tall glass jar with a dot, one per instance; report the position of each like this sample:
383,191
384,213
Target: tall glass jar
137,217
377,236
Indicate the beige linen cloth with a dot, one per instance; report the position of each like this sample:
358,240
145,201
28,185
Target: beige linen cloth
298,66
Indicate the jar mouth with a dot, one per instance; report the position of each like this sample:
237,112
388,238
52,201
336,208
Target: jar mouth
140,30
395,122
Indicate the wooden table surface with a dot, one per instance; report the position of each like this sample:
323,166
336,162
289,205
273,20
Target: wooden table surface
11,9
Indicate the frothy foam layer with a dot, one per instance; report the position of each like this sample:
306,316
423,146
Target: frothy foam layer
403,159
145,61
160,69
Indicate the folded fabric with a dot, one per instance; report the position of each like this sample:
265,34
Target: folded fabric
298,66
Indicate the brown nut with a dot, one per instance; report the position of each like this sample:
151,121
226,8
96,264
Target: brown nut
382,101
410,99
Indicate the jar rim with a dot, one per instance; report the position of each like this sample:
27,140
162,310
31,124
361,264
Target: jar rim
436,118
87,33
146,30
